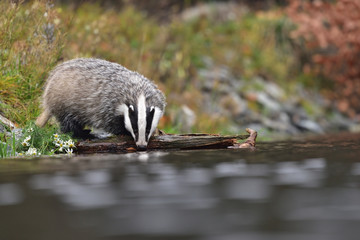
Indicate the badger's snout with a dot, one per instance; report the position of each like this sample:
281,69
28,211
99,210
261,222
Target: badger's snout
141,147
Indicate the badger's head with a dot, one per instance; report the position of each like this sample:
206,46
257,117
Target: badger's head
140,120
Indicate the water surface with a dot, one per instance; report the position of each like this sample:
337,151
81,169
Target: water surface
284,190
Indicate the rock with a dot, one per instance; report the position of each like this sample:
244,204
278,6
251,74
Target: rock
281,124
218,79
265,106
269,103
185,119
300,119
337,122
215,77
309,125
18,134
219,11
2,128
234,104
272,89
355,128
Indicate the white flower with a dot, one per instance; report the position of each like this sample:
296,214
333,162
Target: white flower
59,143
69,151
31,152
70,143
26,141
30,130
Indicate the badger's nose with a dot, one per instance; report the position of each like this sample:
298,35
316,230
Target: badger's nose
141,147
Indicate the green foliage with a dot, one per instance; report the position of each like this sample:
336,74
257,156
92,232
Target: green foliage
30,45
8,148
3,149
36,141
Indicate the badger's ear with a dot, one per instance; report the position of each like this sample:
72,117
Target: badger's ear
152,109
122,109
150,115
131,107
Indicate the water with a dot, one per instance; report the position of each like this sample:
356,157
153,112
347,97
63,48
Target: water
284,190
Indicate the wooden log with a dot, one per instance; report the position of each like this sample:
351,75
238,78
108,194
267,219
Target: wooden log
250,141
120,144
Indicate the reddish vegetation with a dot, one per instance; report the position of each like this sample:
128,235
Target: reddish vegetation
331,31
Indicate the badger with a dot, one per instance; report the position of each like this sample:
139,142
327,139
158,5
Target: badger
103,95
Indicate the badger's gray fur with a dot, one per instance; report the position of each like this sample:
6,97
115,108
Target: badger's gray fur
104,95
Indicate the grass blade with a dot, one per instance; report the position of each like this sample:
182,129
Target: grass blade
13,145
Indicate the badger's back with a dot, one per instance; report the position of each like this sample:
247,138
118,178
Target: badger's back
90,90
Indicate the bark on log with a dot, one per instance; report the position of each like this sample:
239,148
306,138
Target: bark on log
121,144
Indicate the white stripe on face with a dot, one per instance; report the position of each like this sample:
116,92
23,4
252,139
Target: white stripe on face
157,115
141,107
124,110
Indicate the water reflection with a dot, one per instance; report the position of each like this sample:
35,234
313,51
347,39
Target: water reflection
10,194
282,191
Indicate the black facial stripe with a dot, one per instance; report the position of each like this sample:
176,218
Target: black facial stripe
133,115
149,119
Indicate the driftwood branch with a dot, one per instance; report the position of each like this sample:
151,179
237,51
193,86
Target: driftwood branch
7,122
250,141
120,144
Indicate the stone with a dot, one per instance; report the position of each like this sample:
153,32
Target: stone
265,100
234,104
185,119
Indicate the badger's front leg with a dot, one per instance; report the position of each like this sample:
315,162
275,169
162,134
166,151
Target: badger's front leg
70,125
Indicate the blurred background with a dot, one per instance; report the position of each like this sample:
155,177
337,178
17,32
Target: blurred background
283,68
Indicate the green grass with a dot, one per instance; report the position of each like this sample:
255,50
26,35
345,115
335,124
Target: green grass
8,148
30,45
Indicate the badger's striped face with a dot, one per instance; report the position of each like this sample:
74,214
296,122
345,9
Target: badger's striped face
140,120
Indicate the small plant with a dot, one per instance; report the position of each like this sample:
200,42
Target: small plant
38,141
3,149
8,149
